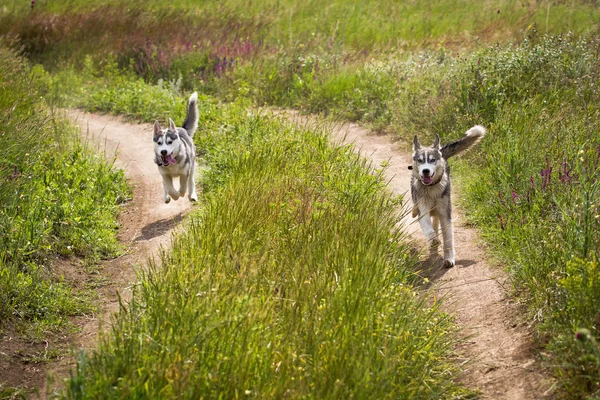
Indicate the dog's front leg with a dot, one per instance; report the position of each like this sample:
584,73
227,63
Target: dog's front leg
193,196
448,234
430,233
183,182
169,189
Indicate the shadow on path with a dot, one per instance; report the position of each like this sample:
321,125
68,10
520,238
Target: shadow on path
159,227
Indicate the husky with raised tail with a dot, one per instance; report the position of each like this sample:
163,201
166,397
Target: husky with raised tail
175,153
430,188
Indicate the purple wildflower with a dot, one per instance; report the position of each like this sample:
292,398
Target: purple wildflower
15,175
546,175
583,335
565,175
500,197
217,67
515,197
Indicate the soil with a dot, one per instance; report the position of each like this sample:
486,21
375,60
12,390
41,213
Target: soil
146,224
497,347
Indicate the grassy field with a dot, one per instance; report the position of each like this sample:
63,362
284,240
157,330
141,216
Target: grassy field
529,71
290,281
533,190
59,203
58,199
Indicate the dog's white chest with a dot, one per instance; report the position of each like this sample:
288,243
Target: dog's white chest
173,170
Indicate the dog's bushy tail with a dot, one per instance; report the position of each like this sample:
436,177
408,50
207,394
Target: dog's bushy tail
471,138
191,120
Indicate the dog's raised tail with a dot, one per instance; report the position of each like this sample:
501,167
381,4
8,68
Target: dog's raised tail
471,138
191,120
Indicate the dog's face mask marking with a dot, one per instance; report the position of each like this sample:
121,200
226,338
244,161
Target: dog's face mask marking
166,143
426,161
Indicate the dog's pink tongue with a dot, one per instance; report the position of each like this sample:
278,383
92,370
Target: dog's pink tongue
170,159
427,180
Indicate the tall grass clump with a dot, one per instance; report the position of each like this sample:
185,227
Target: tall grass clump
290,281
58,199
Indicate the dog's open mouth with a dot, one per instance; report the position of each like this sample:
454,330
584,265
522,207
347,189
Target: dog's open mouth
167,159
427,179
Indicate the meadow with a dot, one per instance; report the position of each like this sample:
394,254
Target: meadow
59,198
529,71
291,280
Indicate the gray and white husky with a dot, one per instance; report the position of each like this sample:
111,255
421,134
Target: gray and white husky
175,153
430,188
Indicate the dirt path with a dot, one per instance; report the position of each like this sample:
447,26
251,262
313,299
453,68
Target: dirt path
498,348
146,222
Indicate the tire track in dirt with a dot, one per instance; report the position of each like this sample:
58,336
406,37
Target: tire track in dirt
497,350
146,223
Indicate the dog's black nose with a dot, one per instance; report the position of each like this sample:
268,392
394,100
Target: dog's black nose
163,152
425,172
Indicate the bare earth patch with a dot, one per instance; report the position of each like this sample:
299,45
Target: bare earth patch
498,349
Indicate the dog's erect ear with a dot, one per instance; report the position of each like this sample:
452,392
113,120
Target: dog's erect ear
172,125
416,144
436,142
156,128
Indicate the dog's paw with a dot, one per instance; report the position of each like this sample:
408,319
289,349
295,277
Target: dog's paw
193,198
167,200
448,263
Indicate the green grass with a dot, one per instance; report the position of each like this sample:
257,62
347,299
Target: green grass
539,203
353,24
110,90
294,245
12,393
205,41
532,188
426,67
539,94
58,199
290,280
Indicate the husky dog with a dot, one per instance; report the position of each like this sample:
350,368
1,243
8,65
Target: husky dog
430,188
175,153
